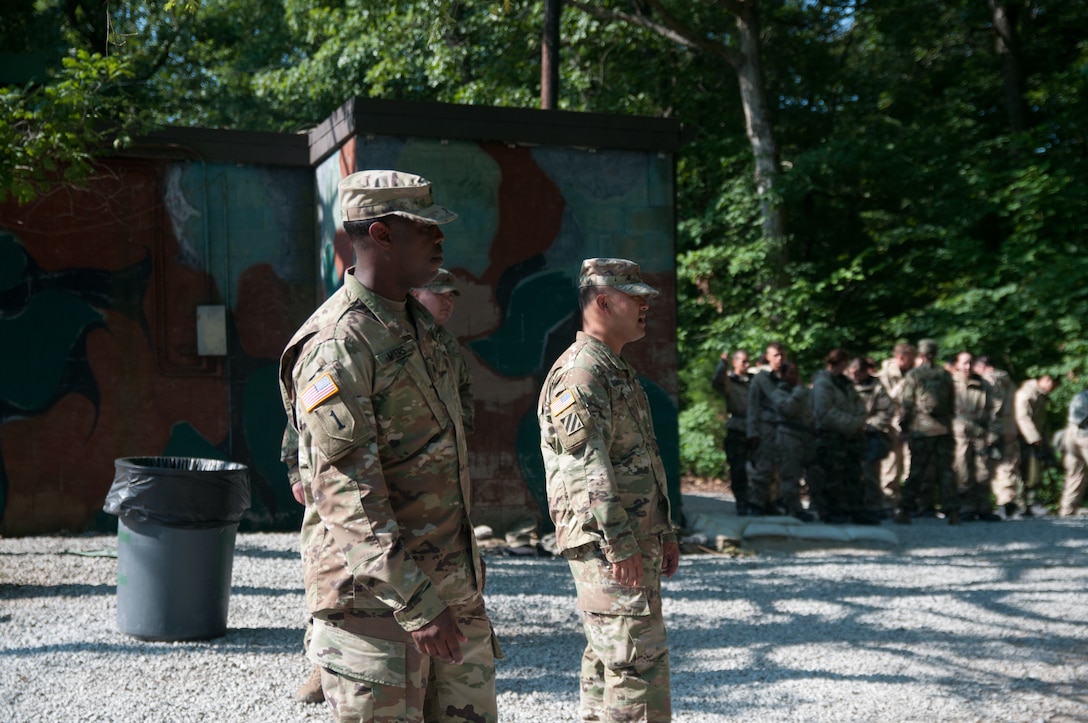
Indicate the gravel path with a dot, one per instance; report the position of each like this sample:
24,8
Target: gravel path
984,622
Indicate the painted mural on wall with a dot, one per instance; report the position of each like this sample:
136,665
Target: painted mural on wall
527,218
98,297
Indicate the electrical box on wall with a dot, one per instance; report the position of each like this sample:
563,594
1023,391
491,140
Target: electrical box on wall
211,330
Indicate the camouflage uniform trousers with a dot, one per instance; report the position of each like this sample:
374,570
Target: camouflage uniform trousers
1075,462
796,456
930,457
972,466
838,489
875,448
894,468
764,461
625,666
736,456
1006,481
383,678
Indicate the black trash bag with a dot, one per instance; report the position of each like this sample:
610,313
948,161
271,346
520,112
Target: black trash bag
182,492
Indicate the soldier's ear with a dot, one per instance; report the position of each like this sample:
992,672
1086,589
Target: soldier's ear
380,234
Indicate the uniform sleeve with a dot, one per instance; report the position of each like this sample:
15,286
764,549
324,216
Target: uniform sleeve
464,389
789,402
289,454
883,412
348,488
720,379
586,468
755,405
829,416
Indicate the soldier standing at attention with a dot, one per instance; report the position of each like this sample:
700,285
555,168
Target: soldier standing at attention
394,581
732,384
896,465
608,497
976,430
763,421
928,403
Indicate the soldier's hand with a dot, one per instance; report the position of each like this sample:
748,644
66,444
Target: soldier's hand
670,559
298,492
628,572
441,638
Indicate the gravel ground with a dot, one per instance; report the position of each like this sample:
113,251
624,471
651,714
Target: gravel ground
984,622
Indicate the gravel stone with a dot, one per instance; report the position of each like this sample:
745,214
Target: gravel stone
981,622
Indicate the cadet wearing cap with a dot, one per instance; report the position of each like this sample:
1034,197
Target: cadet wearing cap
439,297
608,498
394,581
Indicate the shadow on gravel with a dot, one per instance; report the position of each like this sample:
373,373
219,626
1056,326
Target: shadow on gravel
9,591
258,641
258,553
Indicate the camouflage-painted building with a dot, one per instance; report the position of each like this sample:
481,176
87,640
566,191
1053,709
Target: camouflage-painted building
145,314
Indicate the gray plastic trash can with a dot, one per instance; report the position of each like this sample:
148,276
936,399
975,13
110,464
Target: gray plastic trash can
177,520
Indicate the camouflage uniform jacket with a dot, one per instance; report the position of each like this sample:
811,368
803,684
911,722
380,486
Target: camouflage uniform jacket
761,407
879,407
734,388
464,380
1004,394
975,410
928,401
836,407
794,405
606,483
891,376
383,458
1031,412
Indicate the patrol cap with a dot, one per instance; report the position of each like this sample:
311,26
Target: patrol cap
927,347
371,194
618,273
442,283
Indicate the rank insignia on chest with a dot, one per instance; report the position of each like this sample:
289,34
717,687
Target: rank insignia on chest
319,390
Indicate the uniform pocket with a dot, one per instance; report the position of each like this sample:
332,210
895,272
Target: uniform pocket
371,660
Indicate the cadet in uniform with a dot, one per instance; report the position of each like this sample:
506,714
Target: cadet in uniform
879,412
763,421
608,497
1075,455
1031,420
795,440
927,404
732,384
977,431
1006,480
394,581
440,296
896,465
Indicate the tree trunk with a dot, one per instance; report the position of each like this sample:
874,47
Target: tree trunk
1007,44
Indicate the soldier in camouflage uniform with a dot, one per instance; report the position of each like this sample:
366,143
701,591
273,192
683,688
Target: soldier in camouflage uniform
1033,423
927,404
1006,480
977,431
732,384
763,421
1075,456
394,580
840,417
896,465
796,441
439,296
608,497
880,410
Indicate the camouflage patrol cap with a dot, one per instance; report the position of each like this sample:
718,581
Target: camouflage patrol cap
371,194
927,347
618,273
442,283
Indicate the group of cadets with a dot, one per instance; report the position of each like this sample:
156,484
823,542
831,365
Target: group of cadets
914,437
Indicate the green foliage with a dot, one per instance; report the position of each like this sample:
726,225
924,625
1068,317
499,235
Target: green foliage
913,208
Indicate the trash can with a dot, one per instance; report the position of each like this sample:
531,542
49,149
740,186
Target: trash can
176,523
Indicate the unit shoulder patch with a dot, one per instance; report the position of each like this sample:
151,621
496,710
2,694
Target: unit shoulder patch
572,424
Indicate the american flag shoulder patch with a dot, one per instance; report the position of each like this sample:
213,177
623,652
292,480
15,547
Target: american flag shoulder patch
562,402
319,390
